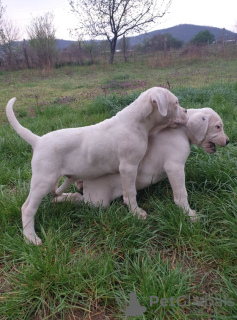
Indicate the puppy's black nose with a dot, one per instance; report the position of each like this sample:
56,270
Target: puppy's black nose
227,141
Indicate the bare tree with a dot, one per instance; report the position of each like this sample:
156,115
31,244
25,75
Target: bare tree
112,19
79,39
10,49
25,53
9,35
41,33
2,11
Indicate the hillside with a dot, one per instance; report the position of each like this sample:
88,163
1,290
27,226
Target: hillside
61,44
184,32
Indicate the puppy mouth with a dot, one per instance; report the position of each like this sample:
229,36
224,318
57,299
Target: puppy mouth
212,147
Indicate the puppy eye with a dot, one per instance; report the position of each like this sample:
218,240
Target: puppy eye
218,127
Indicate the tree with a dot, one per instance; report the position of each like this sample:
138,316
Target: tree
157,42
111,19
41,33
2,11
10,50
90,50
9,34
203,38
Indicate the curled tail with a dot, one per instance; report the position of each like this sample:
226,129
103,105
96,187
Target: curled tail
24,133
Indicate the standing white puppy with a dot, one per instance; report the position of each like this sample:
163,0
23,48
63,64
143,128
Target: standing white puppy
116,144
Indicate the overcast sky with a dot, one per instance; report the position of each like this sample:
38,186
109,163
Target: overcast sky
221,14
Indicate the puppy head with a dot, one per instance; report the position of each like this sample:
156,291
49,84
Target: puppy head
207,128
168,105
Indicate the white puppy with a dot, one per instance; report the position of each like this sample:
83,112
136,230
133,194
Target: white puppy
114,145
166,155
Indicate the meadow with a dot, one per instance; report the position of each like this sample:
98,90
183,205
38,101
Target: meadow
92,258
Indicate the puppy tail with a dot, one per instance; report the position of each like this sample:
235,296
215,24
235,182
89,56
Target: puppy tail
24,133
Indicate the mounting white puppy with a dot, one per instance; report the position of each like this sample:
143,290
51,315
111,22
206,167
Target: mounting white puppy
166,155
114,145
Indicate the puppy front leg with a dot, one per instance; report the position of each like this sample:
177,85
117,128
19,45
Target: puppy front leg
176,176
128,175
66,183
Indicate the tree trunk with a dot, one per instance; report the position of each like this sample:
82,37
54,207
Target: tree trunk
223,40
79,53
165,47
26,54
124,48
112,49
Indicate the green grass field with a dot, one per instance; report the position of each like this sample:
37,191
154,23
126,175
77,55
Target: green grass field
91,258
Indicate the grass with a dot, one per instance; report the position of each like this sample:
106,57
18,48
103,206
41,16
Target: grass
92,258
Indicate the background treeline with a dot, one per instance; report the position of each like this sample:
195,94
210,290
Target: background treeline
41,49
44,51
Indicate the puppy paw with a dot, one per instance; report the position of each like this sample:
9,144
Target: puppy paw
193,215
32,238
141,214
58,199
71,197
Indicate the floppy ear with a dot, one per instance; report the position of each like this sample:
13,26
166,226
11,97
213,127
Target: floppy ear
160,99
198,125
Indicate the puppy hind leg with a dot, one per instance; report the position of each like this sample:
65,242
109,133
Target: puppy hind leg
29,210
40,187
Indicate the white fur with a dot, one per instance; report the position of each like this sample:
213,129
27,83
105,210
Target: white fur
114,145
166,155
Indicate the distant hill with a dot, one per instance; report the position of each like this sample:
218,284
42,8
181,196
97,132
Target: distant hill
61,44
184,32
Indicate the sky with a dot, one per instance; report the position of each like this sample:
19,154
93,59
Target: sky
214,13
